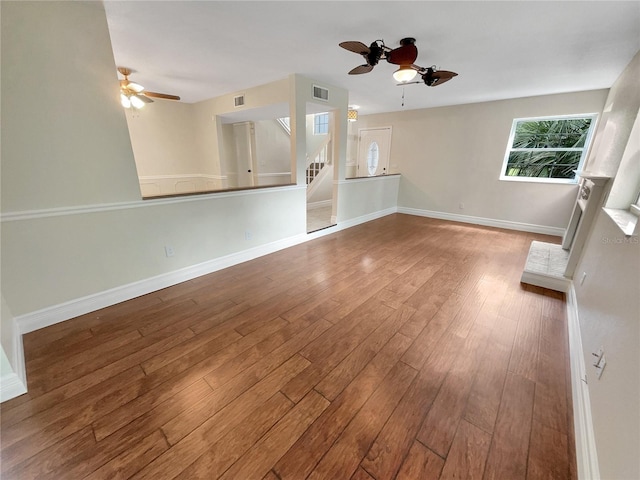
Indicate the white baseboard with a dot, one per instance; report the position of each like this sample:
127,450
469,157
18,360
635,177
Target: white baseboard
320,204
586,454
487,222
11,386
14,384
64,311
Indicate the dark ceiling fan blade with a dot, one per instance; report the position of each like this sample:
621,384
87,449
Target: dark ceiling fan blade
407,83
442,76
361,69
161,95
355,47
404,55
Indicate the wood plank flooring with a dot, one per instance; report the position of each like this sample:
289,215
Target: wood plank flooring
403,348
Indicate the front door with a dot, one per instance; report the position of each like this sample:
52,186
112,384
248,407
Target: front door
373,151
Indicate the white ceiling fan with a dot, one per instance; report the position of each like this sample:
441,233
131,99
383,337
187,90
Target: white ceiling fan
133,95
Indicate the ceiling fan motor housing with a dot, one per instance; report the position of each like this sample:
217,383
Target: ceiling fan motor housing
374,55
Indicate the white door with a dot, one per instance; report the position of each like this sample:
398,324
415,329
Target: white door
244,136
374,145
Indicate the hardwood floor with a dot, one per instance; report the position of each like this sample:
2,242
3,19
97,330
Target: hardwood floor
401,348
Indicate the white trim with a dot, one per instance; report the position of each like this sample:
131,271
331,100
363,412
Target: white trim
274,174
64,311
320,204
10,387
348,181
15,384
151,202
586,453
19,365
181,176
489,222
366,218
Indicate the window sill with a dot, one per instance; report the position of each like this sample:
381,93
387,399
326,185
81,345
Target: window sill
624,219
551,181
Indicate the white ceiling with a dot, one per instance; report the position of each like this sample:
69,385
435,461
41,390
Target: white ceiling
205,49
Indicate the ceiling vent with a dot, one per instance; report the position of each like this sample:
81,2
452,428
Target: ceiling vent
320,93
238,101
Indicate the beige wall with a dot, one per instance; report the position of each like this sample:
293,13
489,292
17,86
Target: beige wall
182,147
453,155
609,300
163,139
64,135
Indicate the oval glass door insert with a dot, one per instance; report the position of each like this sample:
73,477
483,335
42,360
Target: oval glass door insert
372,158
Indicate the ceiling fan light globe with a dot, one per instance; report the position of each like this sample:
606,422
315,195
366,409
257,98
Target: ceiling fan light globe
136,87
136,102
404,74
124,100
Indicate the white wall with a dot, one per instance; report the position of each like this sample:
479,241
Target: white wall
365,196
609,300
453,155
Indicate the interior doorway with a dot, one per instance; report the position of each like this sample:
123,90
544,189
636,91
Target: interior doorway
321,156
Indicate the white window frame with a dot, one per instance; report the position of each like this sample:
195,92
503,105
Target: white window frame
585,149
635,207
317,124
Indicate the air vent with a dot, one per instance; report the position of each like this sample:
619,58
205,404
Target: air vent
238,101
320,93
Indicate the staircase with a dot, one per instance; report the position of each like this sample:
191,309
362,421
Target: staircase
312,170
317,161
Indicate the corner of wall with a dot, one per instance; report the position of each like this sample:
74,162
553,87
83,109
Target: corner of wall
14,379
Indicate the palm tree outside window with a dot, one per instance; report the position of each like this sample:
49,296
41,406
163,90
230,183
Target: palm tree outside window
551,149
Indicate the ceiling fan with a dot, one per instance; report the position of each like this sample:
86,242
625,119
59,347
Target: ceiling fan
133,95
404,56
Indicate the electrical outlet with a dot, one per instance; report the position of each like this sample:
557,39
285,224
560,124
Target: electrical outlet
461,206
168,250
600,366
248,236
598,356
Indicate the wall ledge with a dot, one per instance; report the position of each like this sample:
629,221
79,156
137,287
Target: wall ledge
625,220
150,202
487,222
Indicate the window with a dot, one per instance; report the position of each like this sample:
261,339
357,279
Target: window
320,123
549,149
